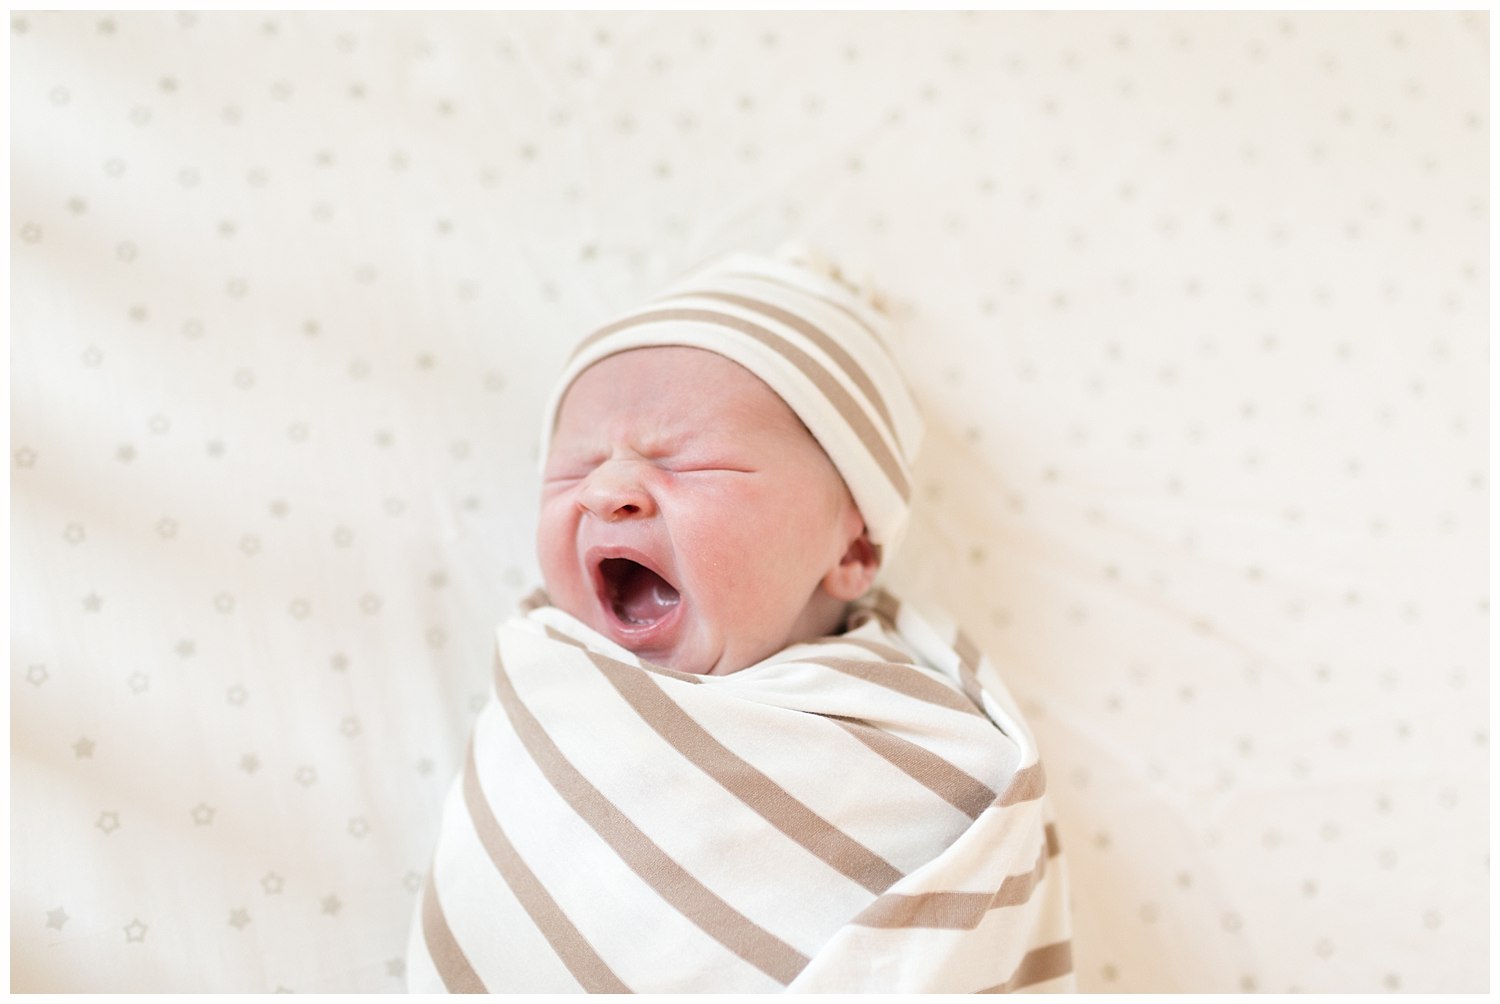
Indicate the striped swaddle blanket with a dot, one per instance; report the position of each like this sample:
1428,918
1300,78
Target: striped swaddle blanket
857,813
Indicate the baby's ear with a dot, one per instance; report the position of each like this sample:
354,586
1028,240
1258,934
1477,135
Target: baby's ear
852,577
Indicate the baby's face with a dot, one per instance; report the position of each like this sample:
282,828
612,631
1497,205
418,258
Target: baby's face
689,516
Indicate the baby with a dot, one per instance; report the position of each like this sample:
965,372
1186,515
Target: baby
688,514
716,759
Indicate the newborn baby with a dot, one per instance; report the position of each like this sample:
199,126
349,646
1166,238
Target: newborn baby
715,759
688,514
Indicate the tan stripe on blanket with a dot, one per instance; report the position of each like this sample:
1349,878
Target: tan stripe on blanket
968,663
671,881
1040,964
572,948
452,965
966,650
889,653
953,911
887,606
904,679
1027,784
760,793
952,784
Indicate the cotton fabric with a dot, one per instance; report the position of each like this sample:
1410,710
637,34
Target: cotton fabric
860,813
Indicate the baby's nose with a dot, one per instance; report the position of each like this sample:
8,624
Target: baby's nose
614,492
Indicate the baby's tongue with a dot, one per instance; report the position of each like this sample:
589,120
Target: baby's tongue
644,596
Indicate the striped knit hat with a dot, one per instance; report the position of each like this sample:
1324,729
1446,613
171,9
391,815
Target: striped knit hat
814,340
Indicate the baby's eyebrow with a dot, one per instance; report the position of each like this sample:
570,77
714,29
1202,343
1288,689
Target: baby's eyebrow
575,448
666,442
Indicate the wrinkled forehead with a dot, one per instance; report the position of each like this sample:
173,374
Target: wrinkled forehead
694,383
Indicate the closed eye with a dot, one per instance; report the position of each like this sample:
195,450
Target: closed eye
710,469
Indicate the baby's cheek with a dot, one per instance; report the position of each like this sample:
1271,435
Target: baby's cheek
555,554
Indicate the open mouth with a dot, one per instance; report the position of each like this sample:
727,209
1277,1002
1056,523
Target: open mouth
638,596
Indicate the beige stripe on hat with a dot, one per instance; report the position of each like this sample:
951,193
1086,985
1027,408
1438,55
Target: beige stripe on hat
815,340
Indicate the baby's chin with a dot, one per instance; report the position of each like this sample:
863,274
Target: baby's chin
723,662
684,655
686,658
686,649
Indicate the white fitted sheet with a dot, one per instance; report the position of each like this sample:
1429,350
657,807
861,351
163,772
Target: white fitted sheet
1196,306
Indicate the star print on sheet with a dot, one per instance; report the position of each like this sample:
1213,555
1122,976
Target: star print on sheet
224,424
